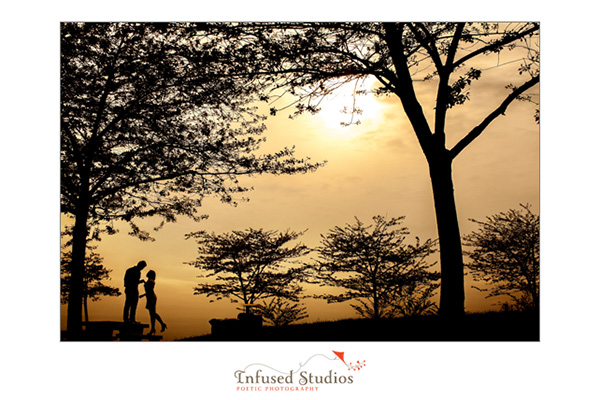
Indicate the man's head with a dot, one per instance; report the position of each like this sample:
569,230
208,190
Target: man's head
141,265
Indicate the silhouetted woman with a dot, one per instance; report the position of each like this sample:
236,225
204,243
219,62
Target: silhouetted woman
151,302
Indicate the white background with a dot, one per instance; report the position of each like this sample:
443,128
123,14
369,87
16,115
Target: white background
36,365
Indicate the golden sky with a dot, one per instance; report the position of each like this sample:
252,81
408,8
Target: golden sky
375,168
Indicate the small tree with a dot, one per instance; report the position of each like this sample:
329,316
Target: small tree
93,275
249,265
506,256
280,312
374,266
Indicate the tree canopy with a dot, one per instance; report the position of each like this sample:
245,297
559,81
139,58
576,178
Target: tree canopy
373,266
151,121
249,265
505,256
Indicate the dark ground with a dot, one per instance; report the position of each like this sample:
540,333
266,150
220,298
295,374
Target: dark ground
491,326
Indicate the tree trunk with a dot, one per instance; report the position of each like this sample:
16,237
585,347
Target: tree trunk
376,307
74,310
85,295
85,309
452,296
375,298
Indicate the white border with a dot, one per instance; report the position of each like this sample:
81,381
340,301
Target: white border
37,365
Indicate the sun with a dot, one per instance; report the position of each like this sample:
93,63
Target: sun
336,114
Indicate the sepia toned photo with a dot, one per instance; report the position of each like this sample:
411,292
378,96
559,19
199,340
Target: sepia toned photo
300,182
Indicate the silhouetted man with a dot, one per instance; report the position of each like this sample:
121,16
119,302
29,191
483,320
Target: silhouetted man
132,280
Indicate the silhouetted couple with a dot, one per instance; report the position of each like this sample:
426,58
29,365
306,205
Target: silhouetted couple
132,280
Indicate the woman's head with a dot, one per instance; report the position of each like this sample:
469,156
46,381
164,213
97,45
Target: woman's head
151,274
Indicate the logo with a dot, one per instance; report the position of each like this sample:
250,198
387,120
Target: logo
316,372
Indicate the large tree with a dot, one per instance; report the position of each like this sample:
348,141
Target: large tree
249,265
310,60
151,123
373,266
505,256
